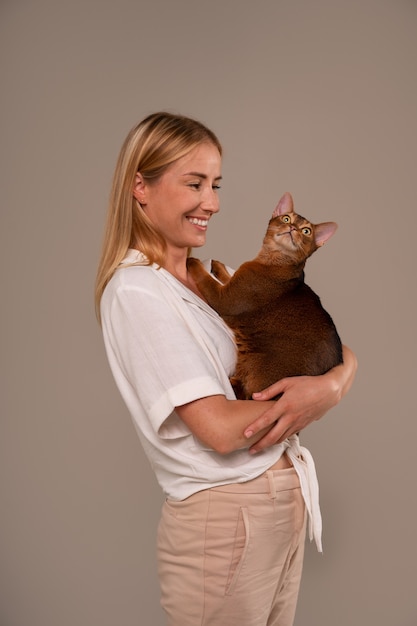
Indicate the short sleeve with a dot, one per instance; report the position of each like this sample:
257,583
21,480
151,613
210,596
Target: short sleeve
160,365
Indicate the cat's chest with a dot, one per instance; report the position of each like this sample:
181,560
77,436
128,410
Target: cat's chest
267,291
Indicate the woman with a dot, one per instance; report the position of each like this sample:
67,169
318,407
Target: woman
237,482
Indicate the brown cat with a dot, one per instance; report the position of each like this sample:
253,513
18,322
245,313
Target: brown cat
280,326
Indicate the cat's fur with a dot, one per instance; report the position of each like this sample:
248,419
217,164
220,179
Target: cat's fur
280,326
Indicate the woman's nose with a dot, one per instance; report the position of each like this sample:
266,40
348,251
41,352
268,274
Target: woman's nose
210,201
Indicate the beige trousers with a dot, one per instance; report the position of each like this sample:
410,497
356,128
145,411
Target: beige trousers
232,555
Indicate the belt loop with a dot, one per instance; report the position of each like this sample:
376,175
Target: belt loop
271,481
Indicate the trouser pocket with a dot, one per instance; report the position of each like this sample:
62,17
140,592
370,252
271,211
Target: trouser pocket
239,551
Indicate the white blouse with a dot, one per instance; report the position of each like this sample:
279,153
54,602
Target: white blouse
166,347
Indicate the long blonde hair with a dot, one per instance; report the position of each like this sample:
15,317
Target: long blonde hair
149,148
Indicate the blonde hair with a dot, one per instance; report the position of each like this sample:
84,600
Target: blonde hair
149,148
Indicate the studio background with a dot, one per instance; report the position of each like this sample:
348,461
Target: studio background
317,98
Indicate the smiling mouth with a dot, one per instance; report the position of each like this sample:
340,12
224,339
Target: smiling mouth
197,222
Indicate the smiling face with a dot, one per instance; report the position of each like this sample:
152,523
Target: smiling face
181,202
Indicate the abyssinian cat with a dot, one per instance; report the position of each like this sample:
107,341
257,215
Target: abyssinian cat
280,326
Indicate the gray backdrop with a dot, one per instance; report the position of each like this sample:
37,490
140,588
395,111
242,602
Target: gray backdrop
317,98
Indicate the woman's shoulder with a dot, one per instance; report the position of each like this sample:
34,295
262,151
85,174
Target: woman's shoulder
135,277
132,290
134,273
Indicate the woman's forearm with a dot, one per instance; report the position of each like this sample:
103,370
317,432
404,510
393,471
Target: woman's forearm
344,374
220,423
228,425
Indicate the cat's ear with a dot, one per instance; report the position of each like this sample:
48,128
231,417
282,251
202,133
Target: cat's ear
323,232
285,205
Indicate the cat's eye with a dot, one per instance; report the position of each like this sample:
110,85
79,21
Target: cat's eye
286,219
306,231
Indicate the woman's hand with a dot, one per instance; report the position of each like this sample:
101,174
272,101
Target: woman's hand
304,399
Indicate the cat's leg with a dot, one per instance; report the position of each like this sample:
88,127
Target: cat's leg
209,286
219,270
197,270
223,298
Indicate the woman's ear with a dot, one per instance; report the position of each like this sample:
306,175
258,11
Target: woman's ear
139,189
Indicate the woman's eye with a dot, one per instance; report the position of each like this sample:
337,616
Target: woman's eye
195,185
306,231
286,219
217,187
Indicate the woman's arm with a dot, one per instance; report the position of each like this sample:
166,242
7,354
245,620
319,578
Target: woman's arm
304,400
220,423
227,425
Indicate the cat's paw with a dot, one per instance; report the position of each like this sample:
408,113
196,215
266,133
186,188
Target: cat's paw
219,270
195,267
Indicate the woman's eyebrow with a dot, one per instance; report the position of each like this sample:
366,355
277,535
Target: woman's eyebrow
203,176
